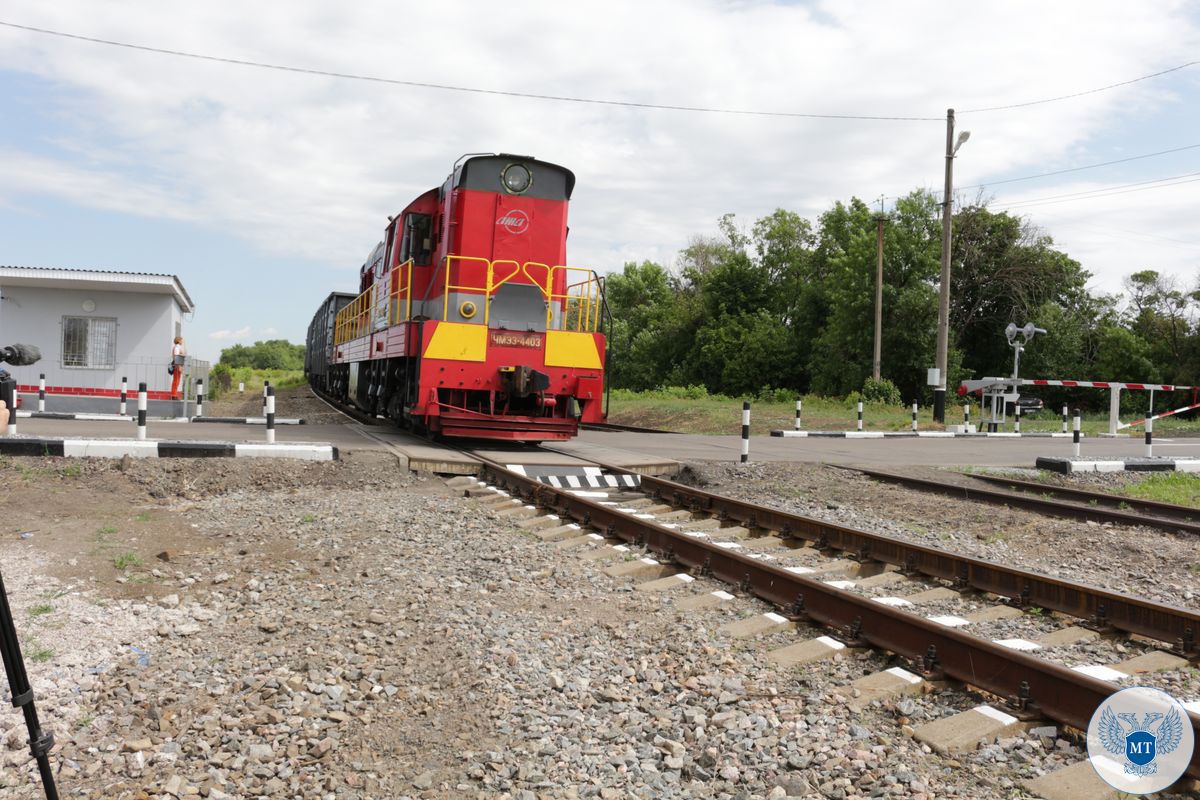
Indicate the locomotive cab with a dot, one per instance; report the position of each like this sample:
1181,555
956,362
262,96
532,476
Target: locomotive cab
470,322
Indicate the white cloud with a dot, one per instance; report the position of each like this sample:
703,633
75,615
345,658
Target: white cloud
222,335
305,166
269,332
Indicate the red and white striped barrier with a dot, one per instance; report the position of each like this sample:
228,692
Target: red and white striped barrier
1160,416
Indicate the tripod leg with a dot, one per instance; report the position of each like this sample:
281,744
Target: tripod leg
40,742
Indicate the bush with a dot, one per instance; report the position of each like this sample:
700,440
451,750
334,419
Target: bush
881,391
777,396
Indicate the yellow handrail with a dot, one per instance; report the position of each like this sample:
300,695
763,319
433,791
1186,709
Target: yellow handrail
580,302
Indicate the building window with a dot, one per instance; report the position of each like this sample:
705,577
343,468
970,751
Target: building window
89,342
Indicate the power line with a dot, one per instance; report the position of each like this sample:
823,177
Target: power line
1079,169
567,99
1080,94
1142,186
474,90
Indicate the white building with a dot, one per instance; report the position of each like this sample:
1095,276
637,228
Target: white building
94,328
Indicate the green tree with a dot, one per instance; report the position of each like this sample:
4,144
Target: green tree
271,354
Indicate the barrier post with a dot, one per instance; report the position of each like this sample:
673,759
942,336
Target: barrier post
745,431
860,415
141,419
1017,418
241,387
966,417
199,397
1064,417
271,416
1075,437
124,395
799,408
42,392
1149,438
914,416
266,388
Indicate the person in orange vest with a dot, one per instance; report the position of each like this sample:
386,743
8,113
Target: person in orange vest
177,354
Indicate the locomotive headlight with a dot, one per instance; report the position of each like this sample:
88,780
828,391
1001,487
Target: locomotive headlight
516,178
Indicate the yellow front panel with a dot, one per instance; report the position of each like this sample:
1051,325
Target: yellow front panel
568,349
458,341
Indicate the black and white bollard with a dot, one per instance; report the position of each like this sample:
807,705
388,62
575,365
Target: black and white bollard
124,395
1150,438
914,416
966,417
860,415
141,419
1017,418
271,416
42,392
1064,417
799,408
266,389
199,397
1075,435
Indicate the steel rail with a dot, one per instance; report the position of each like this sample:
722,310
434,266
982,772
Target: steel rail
1042,505
1167,510
1174,626
1031,684
616,426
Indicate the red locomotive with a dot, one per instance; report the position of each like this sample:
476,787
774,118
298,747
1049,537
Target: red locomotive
468,323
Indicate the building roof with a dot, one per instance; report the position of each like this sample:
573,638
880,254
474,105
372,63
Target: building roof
98,280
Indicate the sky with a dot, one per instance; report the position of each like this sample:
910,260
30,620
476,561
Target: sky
264,190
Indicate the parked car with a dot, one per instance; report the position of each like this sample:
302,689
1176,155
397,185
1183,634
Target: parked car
1030,404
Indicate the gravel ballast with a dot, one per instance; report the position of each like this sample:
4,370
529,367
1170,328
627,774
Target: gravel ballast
344,630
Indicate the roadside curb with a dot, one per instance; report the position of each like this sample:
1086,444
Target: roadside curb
1066,466
119,448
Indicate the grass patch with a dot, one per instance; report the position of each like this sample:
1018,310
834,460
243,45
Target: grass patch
41,610
1180,488
308,518
38,653
691,409
107,530
125,560
143,517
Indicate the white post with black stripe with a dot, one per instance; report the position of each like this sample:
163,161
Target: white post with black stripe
914,416
799,408
42,392
1150,438
124,395
1064,417
860,415
141,418
266,389
1075,436
1017,418
966,417
271,416
199,397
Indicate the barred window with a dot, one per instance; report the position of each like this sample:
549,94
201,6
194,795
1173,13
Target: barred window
89,342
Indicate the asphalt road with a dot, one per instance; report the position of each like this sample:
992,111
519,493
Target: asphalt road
680,447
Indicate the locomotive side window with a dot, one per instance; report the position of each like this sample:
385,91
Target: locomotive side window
417,243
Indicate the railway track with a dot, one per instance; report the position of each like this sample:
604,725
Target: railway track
1028,686
1086,506
613,426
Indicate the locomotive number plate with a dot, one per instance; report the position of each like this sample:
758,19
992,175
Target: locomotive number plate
533,340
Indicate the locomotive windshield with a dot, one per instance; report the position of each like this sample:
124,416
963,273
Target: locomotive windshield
517,175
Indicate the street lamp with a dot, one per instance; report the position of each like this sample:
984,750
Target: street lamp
952,145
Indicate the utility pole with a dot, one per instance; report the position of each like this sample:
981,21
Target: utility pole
877,361
943,331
